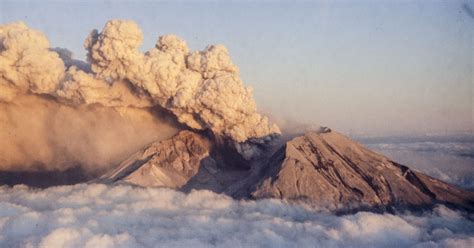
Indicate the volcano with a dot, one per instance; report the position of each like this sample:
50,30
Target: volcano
323,168
57,114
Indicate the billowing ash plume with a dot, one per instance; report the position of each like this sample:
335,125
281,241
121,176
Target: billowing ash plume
26,64
202,89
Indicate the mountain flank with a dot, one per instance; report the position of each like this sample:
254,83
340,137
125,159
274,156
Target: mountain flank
323,168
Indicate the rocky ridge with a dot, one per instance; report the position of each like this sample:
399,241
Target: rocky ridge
323,168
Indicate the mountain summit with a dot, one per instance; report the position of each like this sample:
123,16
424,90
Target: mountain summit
331,170
323,168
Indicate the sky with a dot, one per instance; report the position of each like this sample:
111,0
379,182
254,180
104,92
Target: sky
361,67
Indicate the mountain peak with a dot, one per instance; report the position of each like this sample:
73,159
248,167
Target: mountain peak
169,163
333,171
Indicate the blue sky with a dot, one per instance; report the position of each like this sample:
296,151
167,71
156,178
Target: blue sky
362,67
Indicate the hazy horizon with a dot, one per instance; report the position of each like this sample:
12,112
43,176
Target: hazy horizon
384,68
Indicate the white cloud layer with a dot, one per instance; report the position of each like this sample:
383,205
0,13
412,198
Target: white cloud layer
454,148
449,161
123,216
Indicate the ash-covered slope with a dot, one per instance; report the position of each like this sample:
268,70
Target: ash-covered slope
323,168
186,161
330,170
169,163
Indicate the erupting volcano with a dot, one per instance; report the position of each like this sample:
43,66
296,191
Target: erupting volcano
229,147
127,129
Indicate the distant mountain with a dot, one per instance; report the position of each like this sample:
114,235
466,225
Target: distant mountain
323,168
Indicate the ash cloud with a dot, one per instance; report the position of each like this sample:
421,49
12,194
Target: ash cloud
26,64
57,111
119,216
41,134
202,89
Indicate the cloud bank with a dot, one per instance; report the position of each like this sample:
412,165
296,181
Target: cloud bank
453,148
448,160
123,216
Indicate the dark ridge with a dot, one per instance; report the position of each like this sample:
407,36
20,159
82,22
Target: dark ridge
468,155
44,179
224,152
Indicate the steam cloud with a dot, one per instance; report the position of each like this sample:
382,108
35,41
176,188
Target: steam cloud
123,216
51,104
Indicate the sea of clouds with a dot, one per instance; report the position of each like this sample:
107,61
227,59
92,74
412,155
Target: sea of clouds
448,159
95,215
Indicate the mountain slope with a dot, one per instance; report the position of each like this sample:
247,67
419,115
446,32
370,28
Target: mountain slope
330,170
169,163
186,161
323,168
